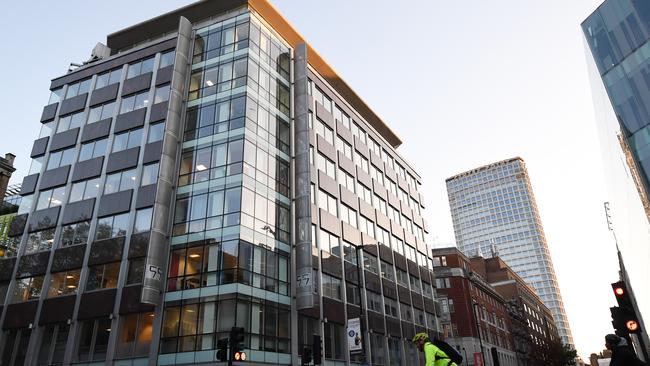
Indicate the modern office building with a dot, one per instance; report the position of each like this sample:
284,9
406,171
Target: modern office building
494,214
617,36
207,169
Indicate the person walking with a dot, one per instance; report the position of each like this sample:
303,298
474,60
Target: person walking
433,355
622,355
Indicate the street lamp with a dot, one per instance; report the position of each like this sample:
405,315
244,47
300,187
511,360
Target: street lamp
478,329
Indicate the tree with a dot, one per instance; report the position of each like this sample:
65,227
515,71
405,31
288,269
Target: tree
553,353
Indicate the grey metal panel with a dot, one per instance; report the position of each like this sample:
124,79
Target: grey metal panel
137,84
104,94
385,253
44,219
115,203
146,196
325,148
376,322
413,192
421,200
96,130
344,133
349,198
351,235
57,310
404,294
346,164
393,327
325,116
396,230
124,159
330,223
106,251
380,190
417,300
78,211
73,104
302,213
376,161
152,152
7,268
164,75
400,261
328,184
393,201
111,63
390,173
402,183
332,265
17,225
68,258
54,177
129,120
364,177
33,264
334,310
64,139
130,301
138,245
96,304
409,239
29,184
39,147
158,112
367,210
361,148
383,221
20,315
49,112
88,169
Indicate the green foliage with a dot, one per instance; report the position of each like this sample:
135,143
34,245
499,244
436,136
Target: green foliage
554,353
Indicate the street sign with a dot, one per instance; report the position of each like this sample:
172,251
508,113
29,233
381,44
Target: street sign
478,359
355,343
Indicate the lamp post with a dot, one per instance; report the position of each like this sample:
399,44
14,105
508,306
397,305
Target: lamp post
478,330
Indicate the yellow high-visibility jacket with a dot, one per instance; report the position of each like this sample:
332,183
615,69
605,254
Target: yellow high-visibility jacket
434,356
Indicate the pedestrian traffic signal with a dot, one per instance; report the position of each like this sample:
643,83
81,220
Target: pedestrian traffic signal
237,344
317,349
222,349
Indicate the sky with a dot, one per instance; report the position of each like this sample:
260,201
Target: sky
463,83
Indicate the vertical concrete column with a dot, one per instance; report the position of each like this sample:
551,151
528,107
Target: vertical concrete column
158,251
301,183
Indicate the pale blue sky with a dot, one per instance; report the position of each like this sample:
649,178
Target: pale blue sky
463,83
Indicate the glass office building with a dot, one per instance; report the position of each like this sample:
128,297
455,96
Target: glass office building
494,213
207,169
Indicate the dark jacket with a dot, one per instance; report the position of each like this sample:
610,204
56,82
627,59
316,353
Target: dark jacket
622,355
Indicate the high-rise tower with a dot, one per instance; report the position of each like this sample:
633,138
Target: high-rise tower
205,170
494,213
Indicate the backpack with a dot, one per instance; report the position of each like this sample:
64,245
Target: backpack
449,350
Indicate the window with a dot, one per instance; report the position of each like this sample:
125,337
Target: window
167,59
326,165
135,272
77,88
390,307
352,294
28,288
75,234
366,226
36,165
64,283
374,301
331,287
406,312
52,349
93,340
71,121
120,181
134,101
50,198
365,193
103,276
324,131
84,190
16,342
349,215
156,132
108,78
370,263
149,174
127,140
46,129
139,68
387,271
161,94
380,203
101,112
443,283
327,202
343,146
61,158
350,253
329,243
39,241
361,161
323,99
112,226
142,220
402,277
346,180
55,96
415,284
93,149
134,335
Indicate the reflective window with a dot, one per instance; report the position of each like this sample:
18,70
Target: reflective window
61,158
93,149
140,67
46,129
71,121
52,348
112,226
135,272
387,271
92,342
329,243
134,101
64,283
50,198
161,94
55,96
28,288
16,344
36,165
84,190
331,287
75,234
142,220
167,59
103,276
149,174
134,335
78,88
39,241
108,78
156,132
127,140
370,263
120,181
101,112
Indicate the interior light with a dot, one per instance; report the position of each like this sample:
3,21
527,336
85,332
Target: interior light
201,167
72,286
194,255
69,276
209,83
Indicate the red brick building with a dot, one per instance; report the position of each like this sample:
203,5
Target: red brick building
474,314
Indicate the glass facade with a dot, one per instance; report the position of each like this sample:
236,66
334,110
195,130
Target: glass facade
494,213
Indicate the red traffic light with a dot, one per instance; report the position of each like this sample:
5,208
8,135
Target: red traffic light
619,291
240,356
632,325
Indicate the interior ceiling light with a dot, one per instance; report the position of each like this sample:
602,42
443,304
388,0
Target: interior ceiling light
201,167
209,83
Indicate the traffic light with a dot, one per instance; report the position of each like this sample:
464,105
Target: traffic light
222,349
237,344
306,355
622,295
624,317
317,349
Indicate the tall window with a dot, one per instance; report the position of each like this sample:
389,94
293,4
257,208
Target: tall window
127,140
112,226
93,149
50,198
39,241
161,94
139,68
64,283
93,340
52,349
331,287
134,335
28,288
61,158
156,132
167,59
75,234
77,88
71,121
15,348
143,220
84,190
134,101
108,78
101,112
120,181
103,276
149,174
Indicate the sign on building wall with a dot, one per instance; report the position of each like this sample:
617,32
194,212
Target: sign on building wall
354,335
